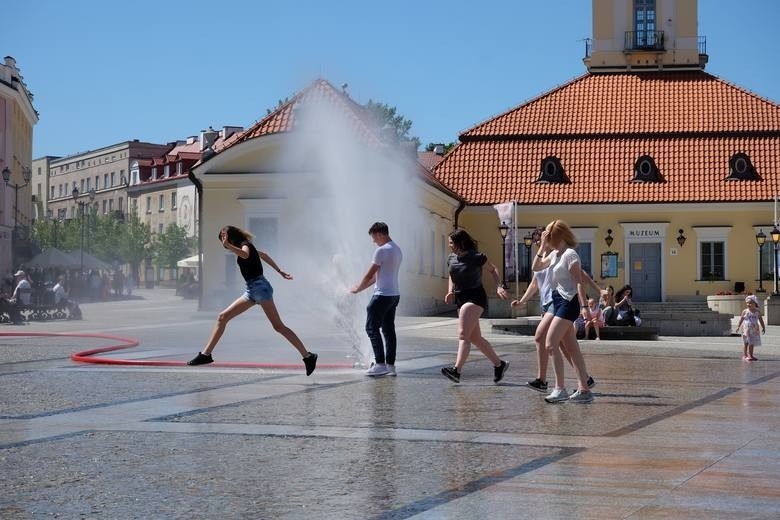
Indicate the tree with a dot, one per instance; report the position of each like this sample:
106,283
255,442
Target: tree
447,147
136,239
386,116
170,246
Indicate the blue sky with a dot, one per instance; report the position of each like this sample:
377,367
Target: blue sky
104,72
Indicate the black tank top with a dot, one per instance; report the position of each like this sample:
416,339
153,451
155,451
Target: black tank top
251,266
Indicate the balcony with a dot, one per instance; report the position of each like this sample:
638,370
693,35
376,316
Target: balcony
643,41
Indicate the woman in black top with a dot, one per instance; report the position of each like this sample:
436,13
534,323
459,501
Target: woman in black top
258,292
465,289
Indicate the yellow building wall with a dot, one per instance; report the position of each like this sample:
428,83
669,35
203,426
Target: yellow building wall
612,18
680,277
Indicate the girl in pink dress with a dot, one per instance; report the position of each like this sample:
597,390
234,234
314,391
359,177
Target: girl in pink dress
748,325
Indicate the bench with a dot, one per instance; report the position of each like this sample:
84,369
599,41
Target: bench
526,326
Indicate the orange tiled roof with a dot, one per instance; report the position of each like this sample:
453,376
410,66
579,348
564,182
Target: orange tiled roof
598,125
429,159
283,118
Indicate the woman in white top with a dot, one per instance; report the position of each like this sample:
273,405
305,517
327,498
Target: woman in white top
568,297
541,284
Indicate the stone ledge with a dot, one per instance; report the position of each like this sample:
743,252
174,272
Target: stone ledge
527,327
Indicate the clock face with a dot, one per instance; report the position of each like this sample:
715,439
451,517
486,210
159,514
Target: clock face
186,213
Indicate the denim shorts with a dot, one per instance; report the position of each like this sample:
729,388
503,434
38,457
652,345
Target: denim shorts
568,310
548,307
258,290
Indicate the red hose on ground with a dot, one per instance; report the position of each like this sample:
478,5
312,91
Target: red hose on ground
87,356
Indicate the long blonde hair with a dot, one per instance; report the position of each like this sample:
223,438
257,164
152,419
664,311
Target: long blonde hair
560,230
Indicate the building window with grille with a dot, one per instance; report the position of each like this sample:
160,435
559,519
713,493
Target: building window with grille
644,24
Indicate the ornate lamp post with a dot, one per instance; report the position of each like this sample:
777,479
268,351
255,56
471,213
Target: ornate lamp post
26,175
528,240
760,240
81,204
504,230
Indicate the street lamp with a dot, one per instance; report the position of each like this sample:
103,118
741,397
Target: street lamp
55,222
81,204
528,240
775,239
504,230
760,240
26,175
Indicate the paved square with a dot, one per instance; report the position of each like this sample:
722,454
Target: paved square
681,428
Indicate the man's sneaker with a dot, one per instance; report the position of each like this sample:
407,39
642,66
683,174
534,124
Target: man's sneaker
451,373
581,397
499,371
538,385
558,395
311,363
391,370
591,382
377,369
201,359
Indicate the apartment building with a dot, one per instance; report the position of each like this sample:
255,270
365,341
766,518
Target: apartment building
17,119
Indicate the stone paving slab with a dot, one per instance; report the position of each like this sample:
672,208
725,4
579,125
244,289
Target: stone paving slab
681,428
202,476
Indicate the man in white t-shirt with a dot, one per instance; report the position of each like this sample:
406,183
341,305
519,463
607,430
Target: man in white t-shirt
23,292
381,309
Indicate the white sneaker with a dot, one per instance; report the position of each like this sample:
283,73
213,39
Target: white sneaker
377,369
391,370
558,395
581,397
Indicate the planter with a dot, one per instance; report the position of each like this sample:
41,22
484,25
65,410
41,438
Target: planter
727,303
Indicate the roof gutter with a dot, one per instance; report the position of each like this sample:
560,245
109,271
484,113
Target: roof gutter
199,203
461,207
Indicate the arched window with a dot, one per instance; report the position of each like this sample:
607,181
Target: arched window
741,168
645,170
552,172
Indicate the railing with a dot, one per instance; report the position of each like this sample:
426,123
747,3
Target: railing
703,45
644,40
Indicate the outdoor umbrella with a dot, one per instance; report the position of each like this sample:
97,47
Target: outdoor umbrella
53,257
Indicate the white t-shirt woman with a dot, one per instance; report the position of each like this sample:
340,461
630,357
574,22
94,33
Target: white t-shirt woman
562,280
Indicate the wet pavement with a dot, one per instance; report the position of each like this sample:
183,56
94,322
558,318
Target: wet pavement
680,428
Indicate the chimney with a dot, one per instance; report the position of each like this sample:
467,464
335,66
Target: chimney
227,131
438,149
207,138
192,139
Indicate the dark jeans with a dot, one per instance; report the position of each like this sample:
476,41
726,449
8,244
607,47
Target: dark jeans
381,315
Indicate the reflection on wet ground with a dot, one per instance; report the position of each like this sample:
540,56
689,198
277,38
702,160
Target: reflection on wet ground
679,429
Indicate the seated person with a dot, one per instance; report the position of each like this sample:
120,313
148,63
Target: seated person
23,292
61,299
607,306
579,325
594,320
625,307
21,297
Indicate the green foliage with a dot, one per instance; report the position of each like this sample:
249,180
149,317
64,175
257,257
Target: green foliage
385,115
447,147
106,237
170,246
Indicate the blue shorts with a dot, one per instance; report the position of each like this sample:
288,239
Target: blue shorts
258,290
566,309
548,307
